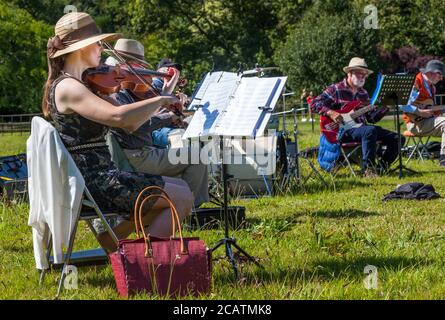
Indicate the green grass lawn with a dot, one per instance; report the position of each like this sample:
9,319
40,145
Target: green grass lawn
314,243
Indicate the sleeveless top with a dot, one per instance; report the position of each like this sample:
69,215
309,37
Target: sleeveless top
71,127
111,188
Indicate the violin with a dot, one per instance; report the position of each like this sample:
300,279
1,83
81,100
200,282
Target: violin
108,79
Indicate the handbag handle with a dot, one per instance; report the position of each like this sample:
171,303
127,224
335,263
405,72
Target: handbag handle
174,216
138,200
138,214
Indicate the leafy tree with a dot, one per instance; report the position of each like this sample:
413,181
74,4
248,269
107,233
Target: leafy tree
22,60
417,23
322,42
202,34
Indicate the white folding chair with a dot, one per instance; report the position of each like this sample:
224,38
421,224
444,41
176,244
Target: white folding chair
87,210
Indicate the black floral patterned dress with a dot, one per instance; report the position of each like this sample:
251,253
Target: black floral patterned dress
113,189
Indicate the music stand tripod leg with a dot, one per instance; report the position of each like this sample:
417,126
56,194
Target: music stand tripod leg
228,241
400,167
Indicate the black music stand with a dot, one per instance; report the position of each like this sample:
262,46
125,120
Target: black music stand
395,90
228,241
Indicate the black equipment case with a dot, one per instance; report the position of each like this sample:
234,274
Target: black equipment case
13,177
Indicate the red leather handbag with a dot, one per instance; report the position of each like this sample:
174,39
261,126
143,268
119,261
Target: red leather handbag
165,266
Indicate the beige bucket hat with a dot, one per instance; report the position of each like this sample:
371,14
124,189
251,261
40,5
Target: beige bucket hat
131,49
357,64
74,31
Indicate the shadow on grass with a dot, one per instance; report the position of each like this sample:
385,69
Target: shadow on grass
274,224
13,248
99,279
343,213
406,173
316,186
319,270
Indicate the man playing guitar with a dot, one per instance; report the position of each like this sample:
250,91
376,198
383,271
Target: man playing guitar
351,89
421,119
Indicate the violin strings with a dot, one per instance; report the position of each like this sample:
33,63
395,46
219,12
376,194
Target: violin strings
123,61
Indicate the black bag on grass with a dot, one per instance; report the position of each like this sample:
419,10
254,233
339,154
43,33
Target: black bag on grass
413,190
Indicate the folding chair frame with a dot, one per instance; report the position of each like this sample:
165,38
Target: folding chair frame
346,154
419,147
87,201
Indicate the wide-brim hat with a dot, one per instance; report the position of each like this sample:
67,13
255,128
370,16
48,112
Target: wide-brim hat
130,49
434,66
357,64
74,31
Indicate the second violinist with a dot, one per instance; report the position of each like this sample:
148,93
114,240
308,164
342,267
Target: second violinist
138,145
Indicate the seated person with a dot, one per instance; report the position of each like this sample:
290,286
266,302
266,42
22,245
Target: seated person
421,120
161,136
138,145
351,89
82,119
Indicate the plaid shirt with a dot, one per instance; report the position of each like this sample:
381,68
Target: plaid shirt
336,96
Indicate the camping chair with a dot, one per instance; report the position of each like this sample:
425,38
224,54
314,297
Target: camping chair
419,147
351,154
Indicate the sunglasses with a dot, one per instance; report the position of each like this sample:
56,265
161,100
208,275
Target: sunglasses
358,73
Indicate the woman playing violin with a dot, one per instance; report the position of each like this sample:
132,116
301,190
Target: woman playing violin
82,119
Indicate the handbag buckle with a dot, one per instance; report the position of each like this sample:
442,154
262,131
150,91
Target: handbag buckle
148,249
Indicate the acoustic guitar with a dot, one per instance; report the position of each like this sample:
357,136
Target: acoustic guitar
411,117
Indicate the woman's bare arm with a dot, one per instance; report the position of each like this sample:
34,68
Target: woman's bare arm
72,96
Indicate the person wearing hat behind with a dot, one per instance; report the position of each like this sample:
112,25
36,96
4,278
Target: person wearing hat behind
83,118
161,135
139,146
422,121
351,89
129,49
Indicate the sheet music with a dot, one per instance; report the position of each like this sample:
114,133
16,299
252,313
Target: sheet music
244,116
212,98
229,105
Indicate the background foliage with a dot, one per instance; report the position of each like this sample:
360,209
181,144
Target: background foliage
309,40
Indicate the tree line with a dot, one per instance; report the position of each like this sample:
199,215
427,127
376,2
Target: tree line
308,40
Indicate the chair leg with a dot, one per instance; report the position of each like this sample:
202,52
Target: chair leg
101,216
423,151
68,254
317,173
415,149
49,248
346,156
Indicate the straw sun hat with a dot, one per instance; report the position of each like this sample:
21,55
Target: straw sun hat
74,31
357,64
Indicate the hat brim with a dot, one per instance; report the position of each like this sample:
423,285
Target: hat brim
86,42
171,65
129,56
425,70
348,69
